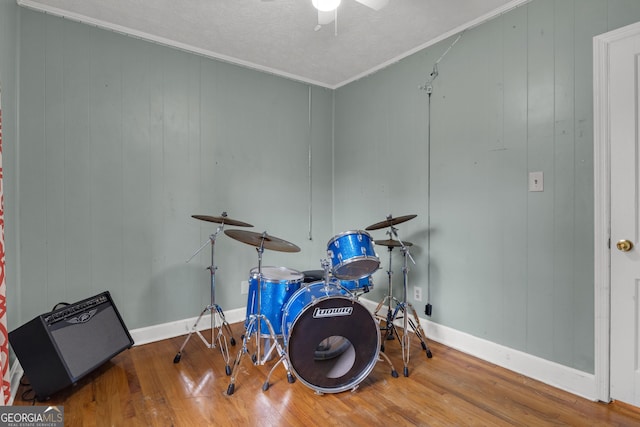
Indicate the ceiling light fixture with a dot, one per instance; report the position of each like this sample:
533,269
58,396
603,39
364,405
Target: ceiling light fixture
326,5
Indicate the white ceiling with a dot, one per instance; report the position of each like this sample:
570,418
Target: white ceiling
279,36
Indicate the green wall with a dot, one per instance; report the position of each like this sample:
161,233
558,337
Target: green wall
9,36
121,141
513,96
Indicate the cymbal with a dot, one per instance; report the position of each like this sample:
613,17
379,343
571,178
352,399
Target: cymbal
262,239
224,219
390,243
390,221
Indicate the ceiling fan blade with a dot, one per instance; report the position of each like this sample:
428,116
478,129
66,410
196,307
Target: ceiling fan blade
374,4
325,18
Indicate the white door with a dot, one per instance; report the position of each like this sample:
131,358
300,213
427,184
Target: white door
624,87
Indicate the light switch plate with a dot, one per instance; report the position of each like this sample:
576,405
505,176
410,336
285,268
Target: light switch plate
536,181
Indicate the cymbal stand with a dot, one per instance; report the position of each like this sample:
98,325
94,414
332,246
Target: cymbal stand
254,327
390,327
402,307
217,315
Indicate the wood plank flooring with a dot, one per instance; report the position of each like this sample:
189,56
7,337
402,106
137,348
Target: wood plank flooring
143,387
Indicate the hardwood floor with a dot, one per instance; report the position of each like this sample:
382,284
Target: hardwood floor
143,387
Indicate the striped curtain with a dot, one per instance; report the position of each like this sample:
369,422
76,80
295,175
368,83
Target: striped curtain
4,336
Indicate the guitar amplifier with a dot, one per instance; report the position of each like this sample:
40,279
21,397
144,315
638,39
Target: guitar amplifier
57,349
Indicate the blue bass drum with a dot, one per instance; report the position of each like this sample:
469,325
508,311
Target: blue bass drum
331,340
352,255
278,285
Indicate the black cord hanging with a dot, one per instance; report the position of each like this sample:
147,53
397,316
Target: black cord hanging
428,87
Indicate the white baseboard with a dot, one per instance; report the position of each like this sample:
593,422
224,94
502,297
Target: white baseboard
181,327
15,374
559,376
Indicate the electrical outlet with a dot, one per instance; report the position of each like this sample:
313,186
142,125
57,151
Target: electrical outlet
244,287
417,293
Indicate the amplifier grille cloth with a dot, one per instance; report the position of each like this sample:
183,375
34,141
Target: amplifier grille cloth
79,346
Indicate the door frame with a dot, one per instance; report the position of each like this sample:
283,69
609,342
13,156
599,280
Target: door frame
602,204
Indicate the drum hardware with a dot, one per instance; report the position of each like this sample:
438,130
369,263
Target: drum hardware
390,327
390,244
400,310
257,319
214,309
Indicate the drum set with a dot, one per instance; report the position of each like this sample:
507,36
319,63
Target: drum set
312,322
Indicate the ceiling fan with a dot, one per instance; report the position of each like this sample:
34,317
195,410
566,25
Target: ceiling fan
328,10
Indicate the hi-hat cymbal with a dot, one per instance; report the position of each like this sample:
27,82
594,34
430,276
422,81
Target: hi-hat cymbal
262,239
390,221
224,219
390,243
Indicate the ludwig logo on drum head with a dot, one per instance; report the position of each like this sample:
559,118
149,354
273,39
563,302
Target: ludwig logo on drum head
332,312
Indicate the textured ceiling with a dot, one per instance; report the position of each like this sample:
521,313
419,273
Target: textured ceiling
280,36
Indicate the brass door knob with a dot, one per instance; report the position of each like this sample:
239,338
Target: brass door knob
624,245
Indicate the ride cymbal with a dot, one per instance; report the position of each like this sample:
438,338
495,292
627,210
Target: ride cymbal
390,221
262,239
224,219
391,243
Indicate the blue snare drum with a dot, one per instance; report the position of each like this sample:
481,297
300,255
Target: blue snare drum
352,255
332,341
278,284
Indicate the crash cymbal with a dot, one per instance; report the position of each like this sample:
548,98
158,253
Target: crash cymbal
224,219
390,221
390,243
262,239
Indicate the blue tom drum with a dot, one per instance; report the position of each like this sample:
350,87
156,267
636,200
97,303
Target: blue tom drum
362,285
352,255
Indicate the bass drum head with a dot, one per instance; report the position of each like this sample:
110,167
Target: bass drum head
333,344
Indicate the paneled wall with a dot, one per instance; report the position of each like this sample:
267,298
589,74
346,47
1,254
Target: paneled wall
513,96
123,140
9,19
